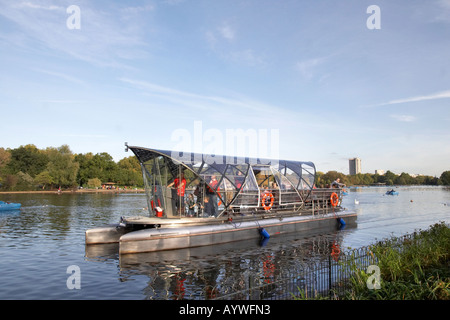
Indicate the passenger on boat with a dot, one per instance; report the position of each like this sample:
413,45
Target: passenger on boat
178,197
239,179
200,194
209,208
212,195
336,183
191,205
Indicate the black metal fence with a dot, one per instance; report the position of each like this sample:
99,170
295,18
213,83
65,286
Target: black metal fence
327,278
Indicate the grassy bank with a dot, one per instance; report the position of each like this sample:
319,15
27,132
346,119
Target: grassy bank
413,268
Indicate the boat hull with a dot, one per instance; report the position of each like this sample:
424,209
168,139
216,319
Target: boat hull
158,239
107,234
9,206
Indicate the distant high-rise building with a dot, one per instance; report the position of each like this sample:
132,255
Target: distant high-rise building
354,166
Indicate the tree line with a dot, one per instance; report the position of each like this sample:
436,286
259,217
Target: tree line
30,168
389,178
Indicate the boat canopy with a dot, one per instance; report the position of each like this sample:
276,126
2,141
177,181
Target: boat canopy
217,184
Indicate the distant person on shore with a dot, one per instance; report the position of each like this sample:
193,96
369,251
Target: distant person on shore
337,183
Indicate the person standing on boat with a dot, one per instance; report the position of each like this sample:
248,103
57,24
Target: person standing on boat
337,183
239,179
208,207
212,195
191,205
180,186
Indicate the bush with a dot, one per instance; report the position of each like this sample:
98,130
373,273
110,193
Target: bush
94,183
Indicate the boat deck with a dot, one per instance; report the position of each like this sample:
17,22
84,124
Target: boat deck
187,221
143,234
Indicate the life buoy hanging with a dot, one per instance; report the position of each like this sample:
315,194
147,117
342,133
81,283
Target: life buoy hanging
334,199
263,202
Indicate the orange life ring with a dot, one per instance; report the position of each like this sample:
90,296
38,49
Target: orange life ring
334,199
263,202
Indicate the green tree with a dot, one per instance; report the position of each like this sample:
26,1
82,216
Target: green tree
86,170
10,182
390,177
129,172
404,179
445,178
319,179
434,181
44,179
94,183
5,157
62,166
27,159
330,176
367,179
100,166
25,181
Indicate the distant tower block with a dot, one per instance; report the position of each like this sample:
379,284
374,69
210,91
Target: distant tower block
354,166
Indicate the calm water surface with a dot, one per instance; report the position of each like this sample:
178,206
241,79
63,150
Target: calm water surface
39,242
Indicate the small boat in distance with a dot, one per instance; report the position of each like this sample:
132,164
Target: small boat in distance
202,199
392,192
4,206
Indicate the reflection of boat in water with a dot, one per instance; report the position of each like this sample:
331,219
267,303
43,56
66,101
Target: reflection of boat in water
5,206
198,200
211,272
392,192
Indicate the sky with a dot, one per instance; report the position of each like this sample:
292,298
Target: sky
321,81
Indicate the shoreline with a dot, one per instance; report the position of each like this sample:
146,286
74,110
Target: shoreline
74,191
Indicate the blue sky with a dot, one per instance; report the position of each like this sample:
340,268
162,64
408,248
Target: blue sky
141,71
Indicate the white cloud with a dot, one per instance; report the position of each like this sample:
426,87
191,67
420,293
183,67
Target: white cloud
308,68
61,75
62,101
433,96
101,41
173,2
444,11
37,6
247,57
222,41
227,32
215,36
439,95
138,9
403,118
199,100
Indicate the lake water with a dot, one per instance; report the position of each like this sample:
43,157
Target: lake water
41,241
